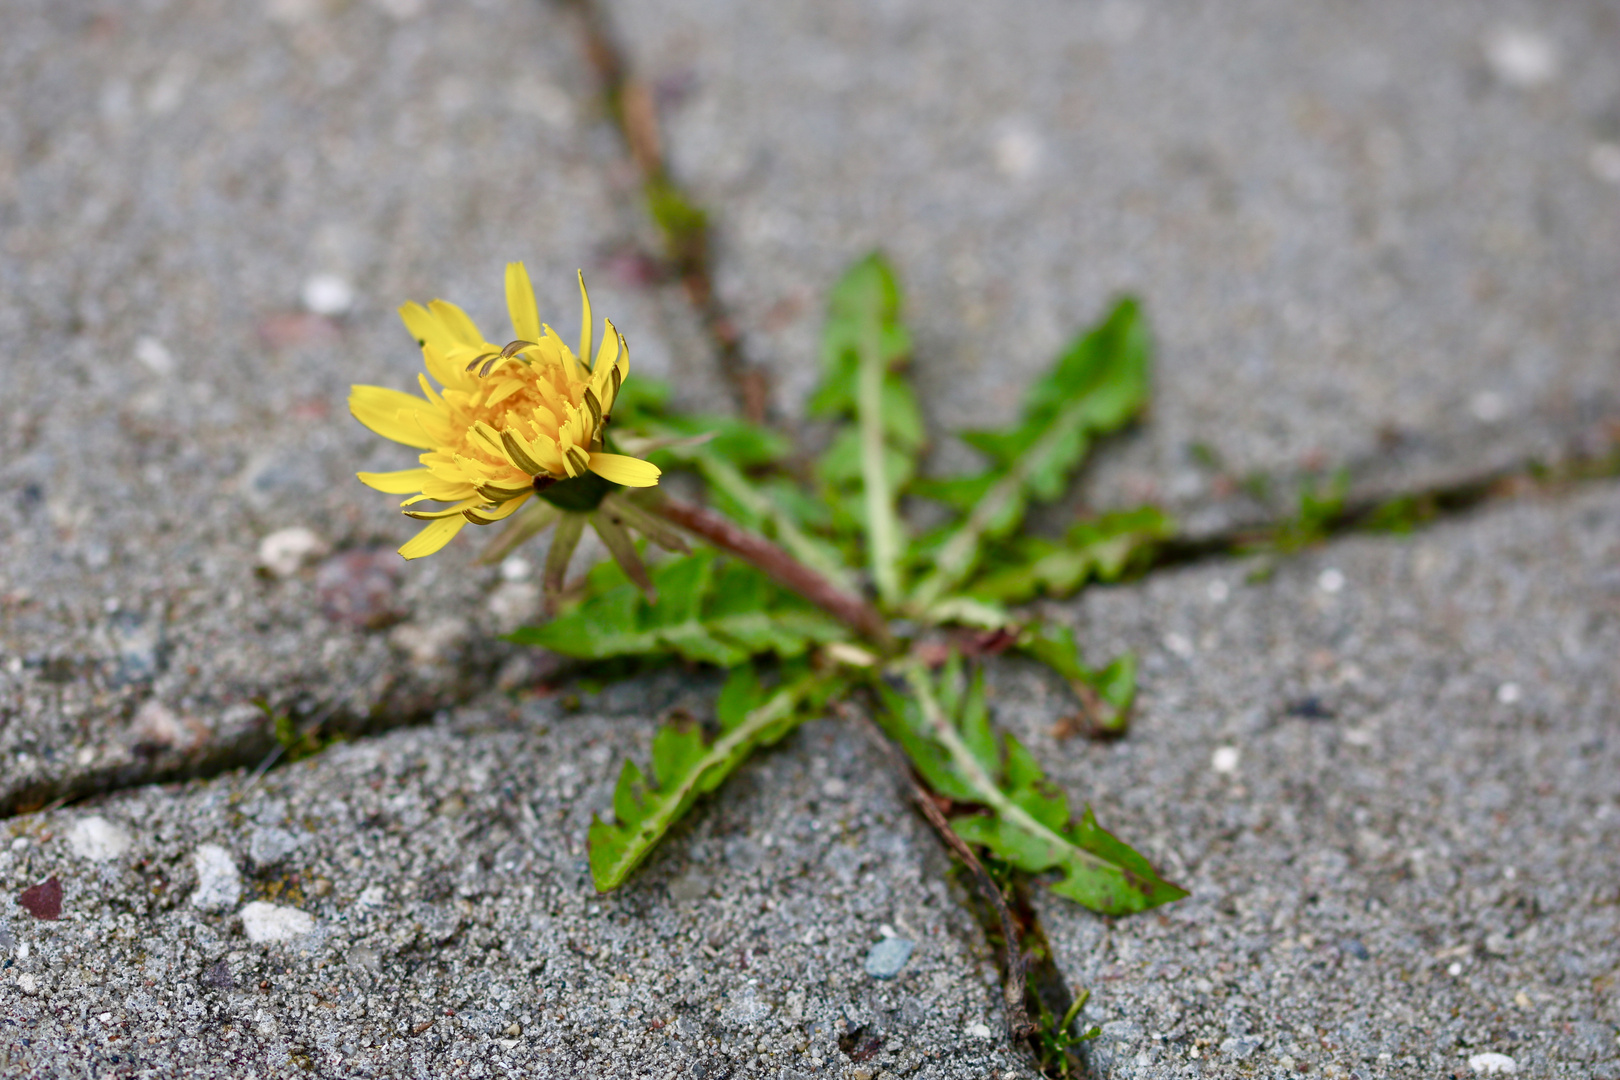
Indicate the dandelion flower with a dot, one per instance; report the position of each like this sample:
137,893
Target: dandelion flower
507,422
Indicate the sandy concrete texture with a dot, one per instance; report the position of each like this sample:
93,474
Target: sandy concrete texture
1389,777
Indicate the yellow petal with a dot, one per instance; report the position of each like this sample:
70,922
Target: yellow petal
404,482
626,470
458,325
548,454
606,357
390,414
584,321
565,359
433,537
520,302
448,490
429,393
505,390
424,326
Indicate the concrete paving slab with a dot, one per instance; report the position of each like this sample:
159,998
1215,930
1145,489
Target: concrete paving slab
1391,778
418,904
210,213
1380,235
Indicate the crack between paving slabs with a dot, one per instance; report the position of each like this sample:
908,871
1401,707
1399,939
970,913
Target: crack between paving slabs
262,748
1012,963
1030,978
1427,506
685,230
682,222
1402,511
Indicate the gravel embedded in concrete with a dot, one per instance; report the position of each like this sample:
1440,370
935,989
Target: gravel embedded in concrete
437,918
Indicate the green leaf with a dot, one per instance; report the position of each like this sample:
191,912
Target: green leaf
1105,696
1321,506
1026,820
716,612
902,718
1101,549
1097,385
869,463
685,767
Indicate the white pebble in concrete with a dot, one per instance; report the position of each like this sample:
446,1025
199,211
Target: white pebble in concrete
1605,162
1488,406
327,294
270,846
272,922
1017,151
155,355
219,886
978,1031
1330,581
97,839
1509,693
1225,759
1491,1064
1521,58
885,959
284,551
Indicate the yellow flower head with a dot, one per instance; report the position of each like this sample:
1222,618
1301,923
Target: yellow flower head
507,421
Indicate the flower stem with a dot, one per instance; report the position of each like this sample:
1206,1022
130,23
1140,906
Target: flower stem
784,568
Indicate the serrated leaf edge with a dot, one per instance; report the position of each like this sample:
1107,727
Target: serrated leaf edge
989,792
676,795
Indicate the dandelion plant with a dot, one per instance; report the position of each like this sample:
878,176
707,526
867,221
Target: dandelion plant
808,585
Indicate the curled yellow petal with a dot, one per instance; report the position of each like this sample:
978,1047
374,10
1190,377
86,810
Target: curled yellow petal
433,537
500,513
435,515
626,470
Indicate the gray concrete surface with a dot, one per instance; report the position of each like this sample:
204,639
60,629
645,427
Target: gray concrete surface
442,921
1377,235
175,180
1391,778
1380,236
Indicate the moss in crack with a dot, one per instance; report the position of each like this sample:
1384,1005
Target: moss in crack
1325,512
685,225
297,741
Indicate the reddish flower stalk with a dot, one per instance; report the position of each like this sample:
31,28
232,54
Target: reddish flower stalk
784,568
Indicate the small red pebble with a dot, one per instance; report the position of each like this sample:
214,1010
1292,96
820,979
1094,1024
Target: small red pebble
43,901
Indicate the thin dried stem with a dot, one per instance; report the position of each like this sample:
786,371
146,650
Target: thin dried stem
1015,1012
